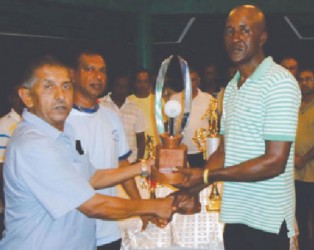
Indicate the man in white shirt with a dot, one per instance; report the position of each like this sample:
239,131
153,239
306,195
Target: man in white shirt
200,103
132,117
8,124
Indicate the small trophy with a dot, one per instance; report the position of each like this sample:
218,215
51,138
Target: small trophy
212,142
171,153
151,180
207,142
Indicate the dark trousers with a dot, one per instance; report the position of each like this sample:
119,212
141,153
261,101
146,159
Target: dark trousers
242,237
196,160
305,214
115,245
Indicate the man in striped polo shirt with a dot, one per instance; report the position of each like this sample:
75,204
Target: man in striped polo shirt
255,155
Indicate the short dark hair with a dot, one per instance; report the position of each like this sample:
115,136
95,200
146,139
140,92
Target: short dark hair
28,75
89,52
141,70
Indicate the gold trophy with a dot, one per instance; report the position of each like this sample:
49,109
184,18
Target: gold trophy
151,181
207,142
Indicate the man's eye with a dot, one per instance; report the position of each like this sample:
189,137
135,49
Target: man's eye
68,86
245,31
89,69
47,85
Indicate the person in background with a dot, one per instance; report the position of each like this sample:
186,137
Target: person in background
132,117
102,136
8,124
255,156
145,100
210,83
291,64
200,104
304,162
49,183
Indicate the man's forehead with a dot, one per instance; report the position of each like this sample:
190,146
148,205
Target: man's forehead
86,59
52,69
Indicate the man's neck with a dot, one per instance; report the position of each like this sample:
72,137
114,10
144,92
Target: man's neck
194,93
84,102
118,100
247,69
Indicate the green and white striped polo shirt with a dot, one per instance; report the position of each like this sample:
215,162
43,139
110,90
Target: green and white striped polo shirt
264,108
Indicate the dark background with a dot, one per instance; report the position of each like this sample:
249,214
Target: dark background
31,28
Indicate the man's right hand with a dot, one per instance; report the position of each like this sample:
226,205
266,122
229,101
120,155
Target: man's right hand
185,201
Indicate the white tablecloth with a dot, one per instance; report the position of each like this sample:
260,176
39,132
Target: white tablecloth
185,232
199,231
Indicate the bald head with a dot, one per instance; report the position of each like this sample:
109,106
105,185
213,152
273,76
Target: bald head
250,12
245,35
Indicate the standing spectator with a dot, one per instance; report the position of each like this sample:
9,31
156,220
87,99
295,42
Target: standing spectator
200,104
132,117
291,64
210,83
8,124
145,99
102,136
256,151
304,162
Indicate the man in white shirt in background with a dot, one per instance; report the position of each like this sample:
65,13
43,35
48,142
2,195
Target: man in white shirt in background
200,104
8,124
132,117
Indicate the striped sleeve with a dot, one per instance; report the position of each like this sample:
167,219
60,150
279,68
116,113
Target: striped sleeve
282,106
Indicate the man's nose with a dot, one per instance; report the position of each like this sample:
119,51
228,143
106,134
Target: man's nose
60,93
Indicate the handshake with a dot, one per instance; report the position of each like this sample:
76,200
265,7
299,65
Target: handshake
186,199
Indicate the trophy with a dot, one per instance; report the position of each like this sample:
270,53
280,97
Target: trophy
171,153
207,142
151,181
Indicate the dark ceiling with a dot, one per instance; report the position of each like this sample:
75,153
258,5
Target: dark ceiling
191,28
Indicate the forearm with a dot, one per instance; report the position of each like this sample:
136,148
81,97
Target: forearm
109,177
257,169
131,189
114,208
129,185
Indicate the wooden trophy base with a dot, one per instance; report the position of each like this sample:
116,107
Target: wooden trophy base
170,154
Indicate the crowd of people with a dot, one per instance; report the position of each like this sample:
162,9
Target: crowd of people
64,153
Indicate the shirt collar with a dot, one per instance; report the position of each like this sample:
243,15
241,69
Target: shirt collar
258,72
15,115
45,126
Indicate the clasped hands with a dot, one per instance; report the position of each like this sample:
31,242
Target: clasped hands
183,200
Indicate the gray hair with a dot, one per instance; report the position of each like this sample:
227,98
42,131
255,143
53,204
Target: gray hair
29,78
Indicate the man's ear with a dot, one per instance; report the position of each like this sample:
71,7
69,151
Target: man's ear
263,38
25,95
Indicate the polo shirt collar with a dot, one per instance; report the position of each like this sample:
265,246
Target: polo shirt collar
44,126
258,72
